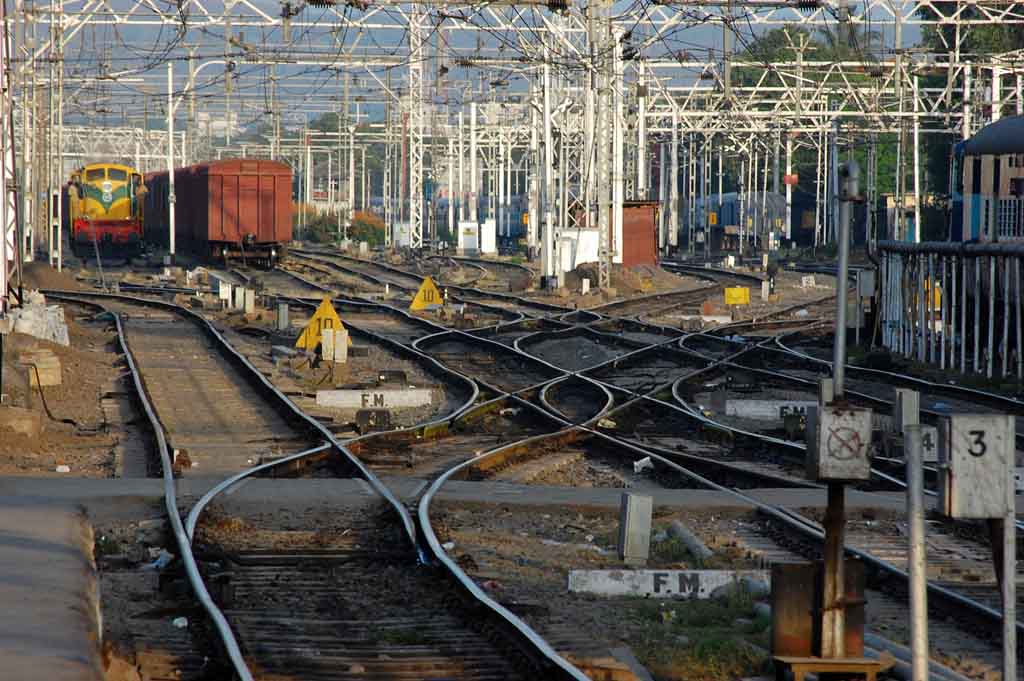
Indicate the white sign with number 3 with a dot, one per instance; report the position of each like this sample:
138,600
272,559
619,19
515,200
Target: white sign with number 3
978,452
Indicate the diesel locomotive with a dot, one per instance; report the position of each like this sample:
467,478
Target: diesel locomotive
105,209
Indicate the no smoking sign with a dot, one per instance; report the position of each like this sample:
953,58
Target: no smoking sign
839,444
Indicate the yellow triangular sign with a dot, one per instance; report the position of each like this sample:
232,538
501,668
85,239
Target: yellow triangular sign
427,296
325,317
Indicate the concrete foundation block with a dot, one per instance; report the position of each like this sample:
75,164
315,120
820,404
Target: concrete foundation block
42,321
283,322
334,345
19,420
374,398
43,367
635,528
224,292
249,301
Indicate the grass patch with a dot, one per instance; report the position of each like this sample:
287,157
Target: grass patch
701,640
673,551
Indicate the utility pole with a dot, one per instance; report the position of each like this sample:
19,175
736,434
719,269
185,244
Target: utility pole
388,180
415,70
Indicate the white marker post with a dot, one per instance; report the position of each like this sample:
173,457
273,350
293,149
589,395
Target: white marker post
977,462
908,421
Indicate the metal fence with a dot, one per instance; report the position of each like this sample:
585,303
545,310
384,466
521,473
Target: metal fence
955,305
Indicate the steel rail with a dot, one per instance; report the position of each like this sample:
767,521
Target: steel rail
182,538
183,535
426,531
1012,402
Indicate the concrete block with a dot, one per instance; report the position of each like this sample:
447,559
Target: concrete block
249,301
660,583
334,345
766,290
585,287
807,281
224,292
19,420
374,398
364,248
47,367
767,410
41,321
238,302
283,322
635,528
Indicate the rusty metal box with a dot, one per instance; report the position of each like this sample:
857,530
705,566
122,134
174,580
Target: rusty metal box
797,593
838,443
977,455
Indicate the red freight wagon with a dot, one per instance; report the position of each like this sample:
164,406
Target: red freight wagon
236,208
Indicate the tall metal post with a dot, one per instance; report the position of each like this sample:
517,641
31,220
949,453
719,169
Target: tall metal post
8,198
1009,587
641,133
451,186
662,191
673,184
170,157
917,164
534,169
387,180
350,213
912,451
547,259
474,182
416,58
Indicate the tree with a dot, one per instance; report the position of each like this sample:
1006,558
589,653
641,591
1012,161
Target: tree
367,227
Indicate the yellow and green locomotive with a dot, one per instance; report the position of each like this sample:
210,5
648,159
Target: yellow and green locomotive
105,202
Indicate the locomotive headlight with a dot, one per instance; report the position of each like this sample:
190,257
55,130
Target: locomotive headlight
273,252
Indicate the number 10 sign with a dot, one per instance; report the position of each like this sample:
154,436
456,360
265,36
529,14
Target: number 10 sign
976,463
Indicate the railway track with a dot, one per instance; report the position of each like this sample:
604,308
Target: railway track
277,582
635,391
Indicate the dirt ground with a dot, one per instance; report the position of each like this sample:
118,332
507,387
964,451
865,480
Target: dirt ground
40,275
522,557
300,380
78,435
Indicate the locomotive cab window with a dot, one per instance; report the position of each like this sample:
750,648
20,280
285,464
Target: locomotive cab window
117,174
94,174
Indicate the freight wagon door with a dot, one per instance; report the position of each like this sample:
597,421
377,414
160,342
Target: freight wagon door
226,211
266,230
248,205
